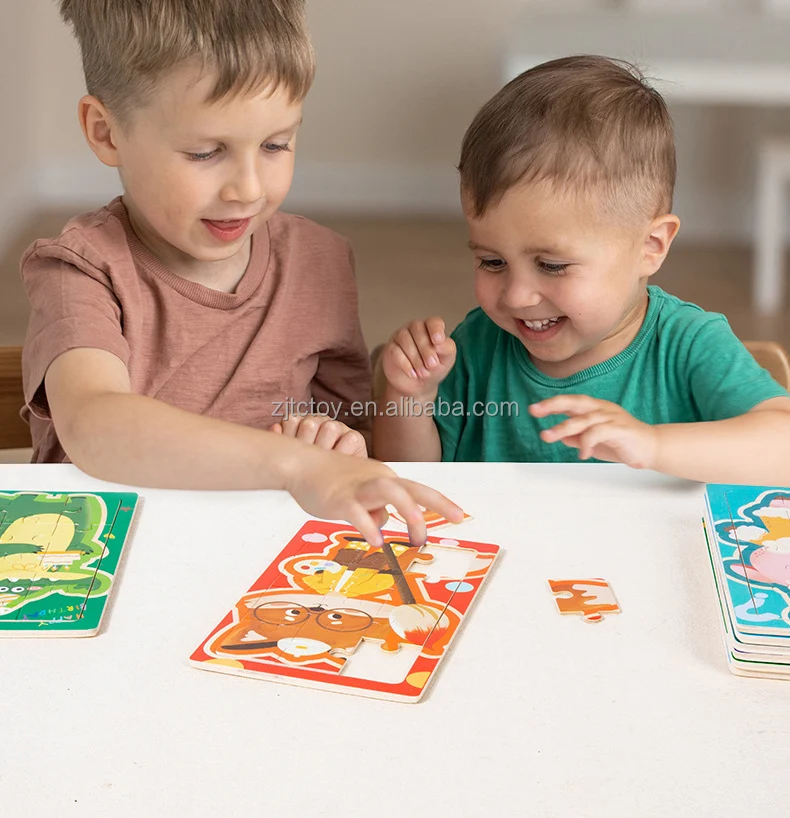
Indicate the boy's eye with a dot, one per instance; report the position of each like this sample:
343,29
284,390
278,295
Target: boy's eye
274,147
202,157
552,268
492,264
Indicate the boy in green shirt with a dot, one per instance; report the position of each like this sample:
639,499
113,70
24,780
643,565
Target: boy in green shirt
567,176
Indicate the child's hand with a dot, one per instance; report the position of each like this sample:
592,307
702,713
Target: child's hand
600,429
418,357
322,431
359,491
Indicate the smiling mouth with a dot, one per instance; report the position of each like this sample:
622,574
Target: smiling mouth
542,324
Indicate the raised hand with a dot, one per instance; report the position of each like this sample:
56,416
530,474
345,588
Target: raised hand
418,357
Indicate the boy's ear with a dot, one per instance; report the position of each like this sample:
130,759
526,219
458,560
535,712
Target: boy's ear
98,126
663,230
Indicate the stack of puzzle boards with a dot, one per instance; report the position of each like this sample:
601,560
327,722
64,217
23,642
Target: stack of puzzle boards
748,535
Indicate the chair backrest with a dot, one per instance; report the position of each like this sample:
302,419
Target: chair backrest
773,357
14,432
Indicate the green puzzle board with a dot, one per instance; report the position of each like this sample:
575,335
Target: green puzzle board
59,554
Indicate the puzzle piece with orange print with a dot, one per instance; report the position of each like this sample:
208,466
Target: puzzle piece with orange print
591,598
433,520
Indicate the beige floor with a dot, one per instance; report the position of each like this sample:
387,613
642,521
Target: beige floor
409,268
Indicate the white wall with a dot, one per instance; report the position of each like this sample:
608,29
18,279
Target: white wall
16,153
397,84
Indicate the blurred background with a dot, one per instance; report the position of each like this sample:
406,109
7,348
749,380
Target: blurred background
397,85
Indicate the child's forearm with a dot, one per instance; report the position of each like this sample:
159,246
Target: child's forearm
141,441
409,435
751,449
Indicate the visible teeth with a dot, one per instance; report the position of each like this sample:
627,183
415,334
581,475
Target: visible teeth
543,324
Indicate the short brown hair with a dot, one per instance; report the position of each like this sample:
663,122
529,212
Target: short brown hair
127,45
585,124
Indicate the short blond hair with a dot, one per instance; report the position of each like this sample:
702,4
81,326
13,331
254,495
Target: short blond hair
128,45
586,125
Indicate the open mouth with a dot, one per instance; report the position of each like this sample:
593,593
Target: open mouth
542,324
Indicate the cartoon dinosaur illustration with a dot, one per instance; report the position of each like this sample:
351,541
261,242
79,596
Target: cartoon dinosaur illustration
47,545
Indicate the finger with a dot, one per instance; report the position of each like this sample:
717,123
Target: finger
309,428
574,426
277,428
353,443
364,522
395,492
291,425
329,433
429,354
401,360
567,405
436,330
435,501
380,516
446,350
408,343
608,435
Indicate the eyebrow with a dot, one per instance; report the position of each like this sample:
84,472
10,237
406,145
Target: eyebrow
529,251
289,130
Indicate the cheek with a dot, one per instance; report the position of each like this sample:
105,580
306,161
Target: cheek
278,181
486,289
173,191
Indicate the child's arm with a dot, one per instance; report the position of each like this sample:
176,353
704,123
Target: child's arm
113,434
415,361
751,448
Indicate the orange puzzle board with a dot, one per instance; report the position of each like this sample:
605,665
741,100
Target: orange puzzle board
334,612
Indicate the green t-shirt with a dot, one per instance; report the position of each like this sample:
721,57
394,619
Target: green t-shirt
684,365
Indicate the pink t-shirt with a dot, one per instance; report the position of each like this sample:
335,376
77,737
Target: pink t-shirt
289,332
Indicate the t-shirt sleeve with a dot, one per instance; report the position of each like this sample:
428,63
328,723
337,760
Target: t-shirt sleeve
71,307
450,409
726,381
343,377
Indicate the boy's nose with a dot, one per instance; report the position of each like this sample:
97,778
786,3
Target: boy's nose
244,186
519,291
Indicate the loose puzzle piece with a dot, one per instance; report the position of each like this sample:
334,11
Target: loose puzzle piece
58,555
432,520
336,612
591,598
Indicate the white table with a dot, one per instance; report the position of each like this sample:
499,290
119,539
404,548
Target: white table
635,716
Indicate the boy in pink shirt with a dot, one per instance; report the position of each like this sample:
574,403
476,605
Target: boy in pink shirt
171,329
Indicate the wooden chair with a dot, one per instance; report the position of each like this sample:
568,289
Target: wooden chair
773,357
14,432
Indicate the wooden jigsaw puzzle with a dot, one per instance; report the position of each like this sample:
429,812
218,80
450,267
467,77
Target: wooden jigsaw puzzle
58,556
334,612
591,598
748,538
433,520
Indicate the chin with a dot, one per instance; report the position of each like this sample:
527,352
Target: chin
209,254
